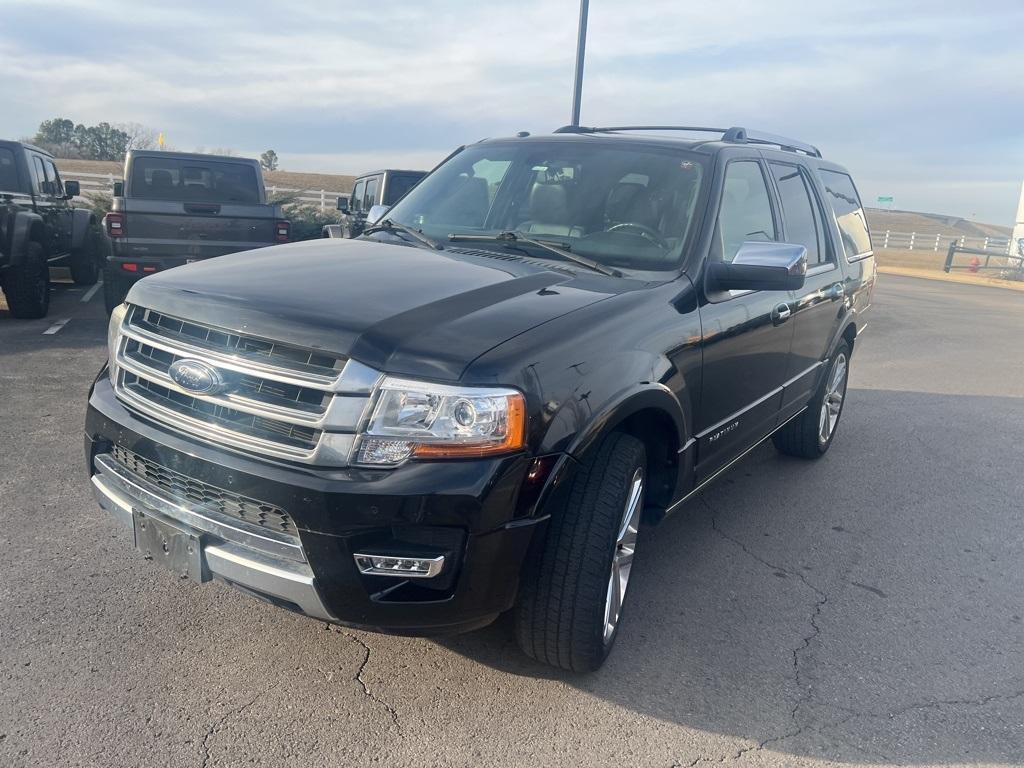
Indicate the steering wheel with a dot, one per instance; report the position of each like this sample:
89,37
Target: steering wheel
647,233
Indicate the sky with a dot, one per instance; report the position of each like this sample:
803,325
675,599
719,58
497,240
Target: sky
923,101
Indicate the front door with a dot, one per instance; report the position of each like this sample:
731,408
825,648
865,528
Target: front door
746,335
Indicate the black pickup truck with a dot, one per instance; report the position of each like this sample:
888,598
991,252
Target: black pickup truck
174,208
472,407
40,228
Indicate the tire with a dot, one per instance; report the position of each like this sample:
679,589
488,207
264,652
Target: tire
809,435
562,616
85,260
115,288
27,286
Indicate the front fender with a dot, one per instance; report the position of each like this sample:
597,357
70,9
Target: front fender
81,219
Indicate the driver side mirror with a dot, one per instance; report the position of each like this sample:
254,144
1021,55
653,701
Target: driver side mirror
375,214
343,205
72,189
760,266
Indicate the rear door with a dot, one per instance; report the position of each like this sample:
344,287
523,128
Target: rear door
49,206
746,334
819,306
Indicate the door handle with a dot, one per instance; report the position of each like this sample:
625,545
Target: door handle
781,313
834,292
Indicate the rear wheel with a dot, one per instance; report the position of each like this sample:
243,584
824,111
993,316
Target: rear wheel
809,435
27,286
571,602
85,260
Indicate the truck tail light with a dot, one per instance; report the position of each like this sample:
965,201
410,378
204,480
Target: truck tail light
115,224
282,231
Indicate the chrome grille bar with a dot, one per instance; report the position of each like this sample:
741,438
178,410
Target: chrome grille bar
280,401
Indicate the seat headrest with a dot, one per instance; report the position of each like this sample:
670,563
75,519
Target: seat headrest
161,179
549,203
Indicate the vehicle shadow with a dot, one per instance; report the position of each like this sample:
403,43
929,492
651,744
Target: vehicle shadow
846,609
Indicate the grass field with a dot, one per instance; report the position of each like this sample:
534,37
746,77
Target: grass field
931,224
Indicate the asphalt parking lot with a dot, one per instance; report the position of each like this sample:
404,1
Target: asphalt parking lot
865,609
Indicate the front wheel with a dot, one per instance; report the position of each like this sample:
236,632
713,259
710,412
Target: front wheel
809,435
574,588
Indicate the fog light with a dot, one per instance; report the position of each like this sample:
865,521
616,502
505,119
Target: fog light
404,567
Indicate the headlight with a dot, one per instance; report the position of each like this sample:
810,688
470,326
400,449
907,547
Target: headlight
113,336
432,421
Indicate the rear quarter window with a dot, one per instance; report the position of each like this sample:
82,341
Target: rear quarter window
189,179
842,197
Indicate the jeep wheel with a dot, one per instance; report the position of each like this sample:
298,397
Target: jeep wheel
27,286
570,605
85,260
809,435
115,287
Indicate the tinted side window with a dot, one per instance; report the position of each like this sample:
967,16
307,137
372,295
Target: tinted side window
398,185
8,171
54,178
357,196
845,202
40,175
746,210
803,224
370,197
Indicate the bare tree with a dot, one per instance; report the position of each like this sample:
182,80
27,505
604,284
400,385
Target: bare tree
139,136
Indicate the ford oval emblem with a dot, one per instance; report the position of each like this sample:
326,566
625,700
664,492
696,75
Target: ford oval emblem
196,377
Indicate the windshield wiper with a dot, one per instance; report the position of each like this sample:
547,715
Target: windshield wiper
391,227
515,237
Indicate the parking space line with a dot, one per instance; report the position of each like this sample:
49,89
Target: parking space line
91,292
56,326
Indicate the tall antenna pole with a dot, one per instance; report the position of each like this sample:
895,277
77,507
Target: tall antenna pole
581,46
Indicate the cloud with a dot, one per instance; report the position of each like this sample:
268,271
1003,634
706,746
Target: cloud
922,94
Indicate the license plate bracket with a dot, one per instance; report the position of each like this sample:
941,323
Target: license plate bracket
175,548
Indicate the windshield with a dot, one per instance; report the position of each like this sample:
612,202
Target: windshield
630,207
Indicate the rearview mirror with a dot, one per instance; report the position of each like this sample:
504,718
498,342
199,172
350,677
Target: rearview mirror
761,267
343,205
375,214
72,189
118,189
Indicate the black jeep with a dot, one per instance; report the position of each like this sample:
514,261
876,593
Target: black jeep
473,407
39,228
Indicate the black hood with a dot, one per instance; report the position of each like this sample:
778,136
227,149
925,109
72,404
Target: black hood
396,308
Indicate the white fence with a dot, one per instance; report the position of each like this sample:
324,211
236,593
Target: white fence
916,241
104,183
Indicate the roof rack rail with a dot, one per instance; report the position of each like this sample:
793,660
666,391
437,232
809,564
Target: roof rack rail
734,135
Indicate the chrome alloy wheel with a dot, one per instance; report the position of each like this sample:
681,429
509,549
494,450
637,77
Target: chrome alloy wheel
832,403
622,559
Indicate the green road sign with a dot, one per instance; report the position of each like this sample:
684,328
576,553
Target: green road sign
886,199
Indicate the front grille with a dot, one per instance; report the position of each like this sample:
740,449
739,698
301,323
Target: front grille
272,399
180,488
282,355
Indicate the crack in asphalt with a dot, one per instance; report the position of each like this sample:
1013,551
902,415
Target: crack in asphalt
822,599
366,689
224,718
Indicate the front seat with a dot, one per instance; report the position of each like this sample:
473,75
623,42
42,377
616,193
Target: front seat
631,203
161,181
548,208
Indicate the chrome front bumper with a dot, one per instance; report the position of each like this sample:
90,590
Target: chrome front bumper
270,566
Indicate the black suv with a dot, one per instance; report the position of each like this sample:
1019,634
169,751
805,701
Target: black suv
473,407
376,188
39,228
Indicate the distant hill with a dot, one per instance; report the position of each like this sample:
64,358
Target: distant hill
931,224
313,182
